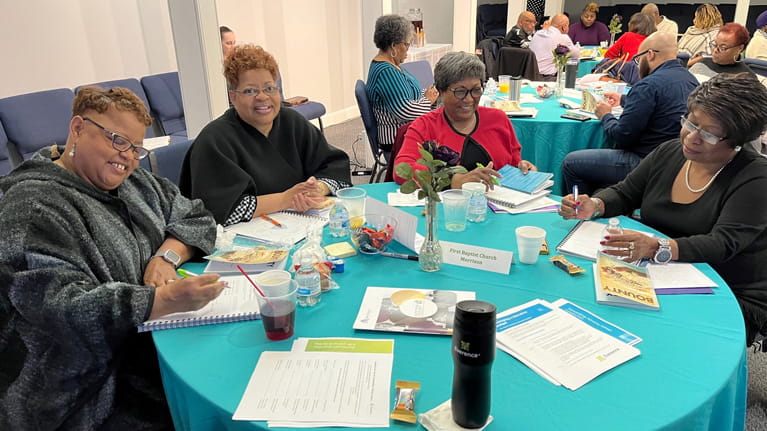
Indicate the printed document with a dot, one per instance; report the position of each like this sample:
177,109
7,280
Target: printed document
557,345
322,383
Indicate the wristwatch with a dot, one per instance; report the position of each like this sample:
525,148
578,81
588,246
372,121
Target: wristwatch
170,256
663,255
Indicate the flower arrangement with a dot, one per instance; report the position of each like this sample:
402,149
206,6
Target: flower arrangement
616,25
441,164
561,54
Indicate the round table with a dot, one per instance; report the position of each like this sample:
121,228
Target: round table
691,373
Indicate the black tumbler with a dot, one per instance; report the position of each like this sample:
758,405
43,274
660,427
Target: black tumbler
571,72
473,355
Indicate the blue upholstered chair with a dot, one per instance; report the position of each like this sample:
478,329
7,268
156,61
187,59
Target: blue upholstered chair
422,71
35,120
164,93
371,129
310,110
758,66
166,161
683,58
133,85
5,162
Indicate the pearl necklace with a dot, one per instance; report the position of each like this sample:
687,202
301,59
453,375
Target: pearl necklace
687,177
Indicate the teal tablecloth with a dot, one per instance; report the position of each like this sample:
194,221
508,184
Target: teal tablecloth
548,138
691,374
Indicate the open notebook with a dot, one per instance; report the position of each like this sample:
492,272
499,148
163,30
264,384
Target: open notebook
235,303
511,198
293,228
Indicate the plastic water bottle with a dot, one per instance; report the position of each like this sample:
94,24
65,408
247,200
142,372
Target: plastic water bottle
308,280
613,228
477,202
339,220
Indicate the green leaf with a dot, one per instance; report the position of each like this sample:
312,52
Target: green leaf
404,170
427,157
437,163
455,170
443,183
421,194
408,186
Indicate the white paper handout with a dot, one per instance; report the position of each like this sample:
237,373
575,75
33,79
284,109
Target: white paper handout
543,335
323,386
677,275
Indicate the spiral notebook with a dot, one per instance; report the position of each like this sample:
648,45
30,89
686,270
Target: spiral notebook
511,198
293,228
235,303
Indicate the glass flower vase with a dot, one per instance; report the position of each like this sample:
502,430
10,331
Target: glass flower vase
612,39
561,78
430,256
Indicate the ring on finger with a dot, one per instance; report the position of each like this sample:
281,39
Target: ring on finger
631,245
631,254
169,281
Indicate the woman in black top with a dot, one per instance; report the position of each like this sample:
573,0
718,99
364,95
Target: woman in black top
705,191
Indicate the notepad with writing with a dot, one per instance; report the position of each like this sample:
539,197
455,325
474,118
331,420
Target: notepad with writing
235,303
511,198
531,182
293,228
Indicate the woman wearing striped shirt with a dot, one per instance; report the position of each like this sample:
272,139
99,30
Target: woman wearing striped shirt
394,93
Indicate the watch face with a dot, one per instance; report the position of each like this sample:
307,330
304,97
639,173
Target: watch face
663,256
172,257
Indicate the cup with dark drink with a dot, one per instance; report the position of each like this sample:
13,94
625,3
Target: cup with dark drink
278,311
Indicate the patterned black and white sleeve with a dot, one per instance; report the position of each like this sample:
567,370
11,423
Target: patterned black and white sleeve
243,211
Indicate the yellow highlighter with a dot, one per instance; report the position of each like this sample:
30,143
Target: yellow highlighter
185,274
495,180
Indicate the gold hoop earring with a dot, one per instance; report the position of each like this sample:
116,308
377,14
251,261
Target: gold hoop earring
393,53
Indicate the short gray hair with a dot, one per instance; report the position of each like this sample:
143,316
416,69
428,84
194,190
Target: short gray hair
457,66
390,30
736,101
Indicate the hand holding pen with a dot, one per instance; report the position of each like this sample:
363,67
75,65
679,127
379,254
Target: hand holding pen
582,209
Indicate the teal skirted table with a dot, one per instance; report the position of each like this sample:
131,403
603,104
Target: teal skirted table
691,374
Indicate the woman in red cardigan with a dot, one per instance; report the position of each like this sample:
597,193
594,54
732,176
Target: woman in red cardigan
641,25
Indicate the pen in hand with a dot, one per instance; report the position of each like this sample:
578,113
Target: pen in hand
185,274
495,180
575,198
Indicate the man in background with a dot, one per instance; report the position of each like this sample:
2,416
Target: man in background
521,34
661,22
545,41
651,115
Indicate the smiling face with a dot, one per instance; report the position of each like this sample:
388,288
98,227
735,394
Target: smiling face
696,149
96,160
261,110
461,110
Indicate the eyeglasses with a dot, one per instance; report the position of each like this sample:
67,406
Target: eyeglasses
707,137
636,57
720,48
253,92
461,92
407,44
121,143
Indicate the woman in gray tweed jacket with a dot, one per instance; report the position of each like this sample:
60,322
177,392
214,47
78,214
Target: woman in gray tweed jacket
80,227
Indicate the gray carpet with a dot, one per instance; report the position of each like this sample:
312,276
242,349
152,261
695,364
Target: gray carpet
348,137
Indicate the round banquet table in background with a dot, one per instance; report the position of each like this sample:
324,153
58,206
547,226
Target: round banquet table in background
691,374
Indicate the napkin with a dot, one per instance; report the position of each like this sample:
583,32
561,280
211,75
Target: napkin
440,418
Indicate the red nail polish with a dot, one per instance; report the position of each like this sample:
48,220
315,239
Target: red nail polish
602,242
607,236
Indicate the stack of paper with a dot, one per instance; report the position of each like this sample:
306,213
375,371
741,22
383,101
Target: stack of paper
541,335
531,182
322,382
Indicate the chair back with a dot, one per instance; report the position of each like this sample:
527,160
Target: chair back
758,66
683,58
133,85
310,110
422,71
5,162
35,120
518,62
164,94
166,161
371,129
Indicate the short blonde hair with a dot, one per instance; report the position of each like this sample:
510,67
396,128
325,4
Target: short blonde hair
97,99
248,57
707,16
591,7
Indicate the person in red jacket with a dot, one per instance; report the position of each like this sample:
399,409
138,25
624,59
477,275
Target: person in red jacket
641,25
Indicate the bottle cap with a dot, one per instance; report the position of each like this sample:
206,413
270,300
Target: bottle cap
475,316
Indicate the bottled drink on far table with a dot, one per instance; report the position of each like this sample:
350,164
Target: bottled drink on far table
308,280
613,228
339,220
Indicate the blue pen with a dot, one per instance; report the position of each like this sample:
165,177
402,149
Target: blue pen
575,198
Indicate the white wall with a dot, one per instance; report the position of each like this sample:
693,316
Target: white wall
437,17
51,44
